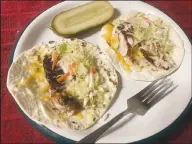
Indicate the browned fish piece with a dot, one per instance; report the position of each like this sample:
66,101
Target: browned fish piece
65,103
59,98
147,56
157,61
52,75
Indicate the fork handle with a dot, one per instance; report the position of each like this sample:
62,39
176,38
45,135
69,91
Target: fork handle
91,138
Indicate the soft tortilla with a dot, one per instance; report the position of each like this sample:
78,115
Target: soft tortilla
145,74
29,101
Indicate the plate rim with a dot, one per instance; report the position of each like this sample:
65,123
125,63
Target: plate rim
60,139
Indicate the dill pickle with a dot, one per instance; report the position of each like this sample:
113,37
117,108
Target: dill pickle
82,18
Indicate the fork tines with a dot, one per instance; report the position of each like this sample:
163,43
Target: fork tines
156,88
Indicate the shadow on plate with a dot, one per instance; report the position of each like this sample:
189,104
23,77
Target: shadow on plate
119,125
157,99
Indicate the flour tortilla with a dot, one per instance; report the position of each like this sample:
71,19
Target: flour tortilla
28,98
146,74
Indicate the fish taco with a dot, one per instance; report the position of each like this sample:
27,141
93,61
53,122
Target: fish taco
142,46
67,83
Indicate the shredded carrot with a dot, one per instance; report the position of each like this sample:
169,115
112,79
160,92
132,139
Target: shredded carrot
148,20
69,68
54,59
63,77
73,66
93,69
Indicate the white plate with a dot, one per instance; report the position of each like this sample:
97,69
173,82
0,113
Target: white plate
131,128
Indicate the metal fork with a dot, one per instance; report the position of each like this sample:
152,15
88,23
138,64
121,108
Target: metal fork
139,104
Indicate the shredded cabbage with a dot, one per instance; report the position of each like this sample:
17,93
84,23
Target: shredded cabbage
71,88
87,60
81,89
140,14
91,116
81,71
96,79
156,32
86,85
100,97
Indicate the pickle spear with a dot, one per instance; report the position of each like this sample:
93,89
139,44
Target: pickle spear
82,18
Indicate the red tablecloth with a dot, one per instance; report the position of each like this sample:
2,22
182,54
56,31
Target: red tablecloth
14,16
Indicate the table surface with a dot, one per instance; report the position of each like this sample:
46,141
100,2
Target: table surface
14,16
